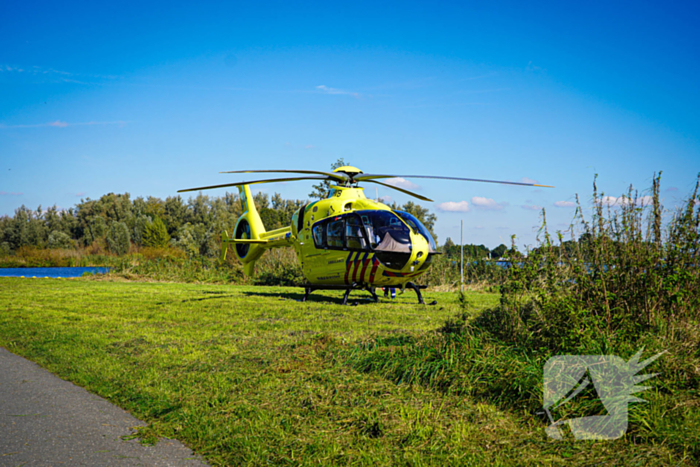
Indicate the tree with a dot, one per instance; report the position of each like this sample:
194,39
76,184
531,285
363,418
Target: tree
118,238
270,219
139,226
321,190
187,240
499,251
155,234
449,248
175,212
95,229
58,239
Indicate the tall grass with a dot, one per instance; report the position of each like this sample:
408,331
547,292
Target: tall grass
445,274
629,274
630,282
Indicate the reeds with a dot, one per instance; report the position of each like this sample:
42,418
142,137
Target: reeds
633,270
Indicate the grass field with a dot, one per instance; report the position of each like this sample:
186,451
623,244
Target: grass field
252,376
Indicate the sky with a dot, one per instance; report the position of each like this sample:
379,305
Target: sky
150,97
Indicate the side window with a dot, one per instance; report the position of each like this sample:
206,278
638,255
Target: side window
318,235
369,229
353,234
334,234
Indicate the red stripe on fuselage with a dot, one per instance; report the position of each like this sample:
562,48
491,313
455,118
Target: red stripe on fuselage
357,265
375,263
348,262
365,262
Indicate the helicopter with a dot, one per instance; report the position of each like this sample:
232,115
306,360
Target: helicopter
345,241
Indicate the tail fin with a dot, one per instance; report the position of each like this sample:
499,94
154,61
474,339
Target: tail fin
250,239
249,227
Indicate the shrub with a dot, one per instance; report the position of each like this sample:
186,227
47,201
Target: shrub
118,238
139,226
279,267
59,239
162,253
624,277
155,234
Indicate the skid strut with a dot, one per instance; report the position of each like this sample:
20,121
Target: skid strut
417,288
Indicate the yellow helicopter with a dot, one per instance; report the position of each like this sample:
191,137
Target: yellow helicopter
345,241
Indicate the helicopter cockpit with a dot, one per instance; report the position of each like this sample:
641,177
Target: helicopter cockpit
383,232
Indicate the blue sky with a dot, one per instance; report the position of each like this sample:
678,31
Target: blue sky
148,98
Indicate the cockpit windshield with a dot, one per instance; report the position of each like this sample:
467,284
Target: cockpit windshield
417,226
385,231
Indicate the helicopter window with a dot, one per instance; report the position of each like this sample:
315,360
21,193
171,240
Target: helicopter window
386,231
418,227
318,235
353,234
334,234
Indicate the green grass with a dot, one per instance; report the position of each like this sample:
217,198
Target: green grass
251,376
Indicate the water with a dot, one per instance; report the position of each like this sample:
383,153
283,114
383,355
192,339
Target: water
50,272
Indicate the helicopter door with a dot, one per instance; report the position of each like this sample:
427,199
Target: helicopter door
354,235
342,248
327,263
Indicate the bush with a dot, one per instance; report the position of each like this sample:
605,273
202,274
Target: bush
59,239
118,238
139,226
279,267
155,234
162,253
33,257
623,278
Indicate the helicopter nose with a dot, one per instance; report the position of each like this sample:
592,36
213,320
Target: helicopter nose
420,253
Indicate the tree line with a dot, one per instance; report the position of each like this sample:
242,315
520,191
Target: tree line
118,223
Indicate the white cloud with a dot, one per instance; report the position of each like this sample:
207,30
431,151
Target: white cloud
531,207
326,90
529,180
4,193
309,146
386,199
480,202
564,204
452,206
62,124
50,73
531,67
401,183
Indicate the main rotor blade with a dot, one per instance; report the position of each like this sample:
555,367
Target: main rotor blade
337,175
254,182
370,177
415,195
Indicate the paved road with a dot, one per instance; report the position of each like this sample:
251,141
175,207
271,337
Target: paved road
45,421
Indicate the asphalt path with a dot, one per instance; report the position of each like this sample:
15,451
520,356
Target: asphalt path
45,421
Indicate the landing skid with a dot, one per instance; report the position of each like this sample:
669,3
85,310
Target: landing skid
308,288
